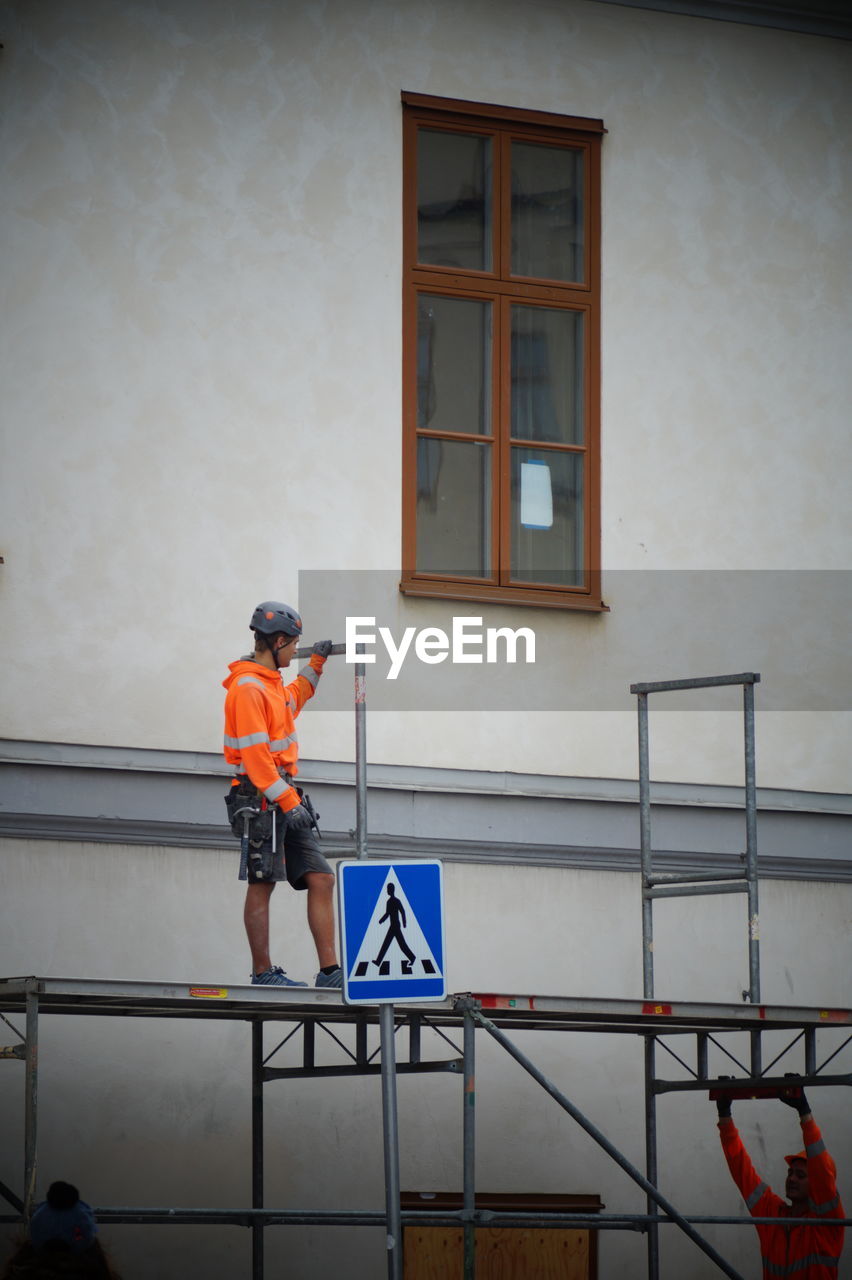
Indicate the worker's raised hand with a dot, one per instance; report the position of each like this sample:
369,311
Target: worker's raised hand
723,1103
323,648
796,1099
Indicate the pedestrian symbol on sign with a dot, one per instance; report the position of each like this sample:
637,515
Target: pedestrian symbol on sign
392,931
395,913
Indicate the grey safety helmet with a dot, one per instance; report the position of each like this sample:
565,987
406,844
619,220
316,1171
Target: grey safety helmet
272,617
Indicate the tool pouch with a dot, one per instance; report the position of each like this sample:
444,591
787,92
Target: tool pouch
255,837
242,798
237,801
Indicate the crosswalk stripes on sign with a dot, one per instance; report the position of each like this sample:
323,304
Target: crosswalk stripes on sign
392,934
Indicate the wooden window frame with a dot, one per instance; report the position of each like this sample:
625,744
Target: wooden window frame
498,286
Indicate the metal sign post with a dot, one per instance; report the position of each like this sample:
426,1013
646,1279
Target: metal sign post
391,948
390,1128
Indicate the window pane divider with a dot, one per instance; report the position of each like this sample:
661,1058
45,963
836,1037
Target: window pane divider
551,446
431,433
449,280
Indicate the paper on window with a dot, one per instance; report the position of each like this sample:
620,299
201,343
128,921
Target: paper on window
536,496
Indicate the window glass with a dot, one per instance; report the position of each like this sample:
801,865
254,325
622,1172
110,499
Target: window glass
453,364
453,507
454,200
547,517
547,375
547,212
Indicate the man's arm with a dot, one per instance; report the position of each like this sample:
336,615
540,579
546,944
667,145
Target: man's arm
304,686
760,1200
822,1174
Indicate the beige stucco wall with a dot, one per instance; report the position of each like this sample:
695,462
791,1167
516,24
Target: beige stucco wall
201,355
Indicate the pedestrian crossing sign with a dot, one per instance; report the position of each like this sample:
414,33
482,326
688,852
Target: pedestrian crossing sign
391,930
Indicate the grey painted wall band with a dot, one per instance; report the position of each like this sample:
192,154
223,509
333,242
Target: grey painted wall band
69,792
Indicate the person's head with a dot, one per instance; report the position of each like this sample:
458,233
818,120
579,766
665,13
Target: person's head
61,1242
63,1219
797,1186
276,628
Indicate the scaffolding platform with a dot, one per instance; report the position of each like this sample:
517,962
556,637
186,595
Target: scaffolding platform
93,996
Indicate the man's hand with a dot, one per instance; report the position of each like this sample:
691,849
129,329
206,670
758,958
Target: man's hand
297,818
799,1103
723,1104
323,648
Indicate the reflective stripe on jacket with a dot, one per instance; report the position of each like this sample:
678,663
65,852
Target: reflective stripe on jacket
802,1253
260,724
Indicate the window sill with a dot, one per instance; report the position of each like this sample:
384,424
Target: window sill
532,597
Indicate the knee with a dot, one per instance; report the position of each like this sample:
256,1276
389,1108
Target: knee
321,882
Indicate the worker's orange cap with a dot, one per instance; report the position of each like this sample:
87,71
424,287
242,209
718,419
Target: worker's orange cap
803,1155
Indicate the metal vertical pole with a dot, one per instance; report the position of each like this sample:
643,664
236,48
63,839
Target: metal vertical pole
257,1146
469,1140
391,1140
751,847
645,839
361,757
31,1105
651,1154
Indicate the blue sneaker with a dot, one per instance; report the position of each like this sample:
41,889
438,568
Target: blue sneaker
329,979
274,977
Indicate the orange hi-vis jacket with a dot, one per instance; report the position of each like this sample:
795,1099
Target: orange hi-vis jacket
260,725
802,1253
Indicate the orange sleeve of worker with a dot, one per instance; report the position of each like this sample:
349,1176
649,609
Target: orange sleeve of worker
305,684
822,1174
761,1201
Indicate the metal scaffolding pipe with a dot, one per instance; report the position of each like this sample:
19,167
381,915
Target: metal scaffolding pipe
645,845
257,1147
469,1146
31,1105
696,682
751,845
361,757
651,1153
390,1127
179,1217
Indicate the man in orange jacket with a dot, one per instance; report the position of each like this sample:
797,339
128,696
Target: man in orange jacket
807,1252
262,745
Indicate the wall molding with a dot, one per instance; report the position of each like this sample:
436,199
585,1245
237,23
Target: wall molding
422,778
132,797
210,838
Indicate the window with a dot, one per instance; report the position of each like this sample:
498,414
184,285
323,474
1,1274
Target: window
501,466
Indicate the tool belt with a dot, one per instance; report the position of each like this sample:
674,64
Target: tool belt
259,826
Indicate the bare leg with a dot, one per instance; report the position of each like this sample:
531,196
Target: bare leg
256,918
321,915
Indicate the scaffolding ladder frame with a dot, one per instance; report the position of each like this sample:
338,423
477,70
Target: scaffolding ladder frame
675,884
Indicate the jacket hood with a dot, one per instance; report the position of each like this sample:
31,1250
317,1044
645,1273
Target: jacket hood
244,666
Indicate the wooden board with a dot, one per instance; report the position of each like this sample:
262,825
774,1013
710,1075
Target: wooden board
506,1253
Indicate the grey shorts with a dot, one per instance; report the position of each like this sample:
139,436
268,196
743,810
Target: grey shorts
298,853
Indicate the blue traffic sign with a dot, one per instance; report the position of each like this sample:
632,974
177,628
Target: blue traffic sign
391,931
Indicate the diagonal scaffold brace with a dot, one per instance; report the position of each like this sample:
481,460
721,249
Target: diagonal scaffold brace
602,1141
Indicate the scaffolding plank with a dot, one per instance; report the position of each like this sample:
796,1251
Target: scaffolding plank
95,996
